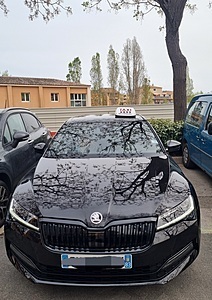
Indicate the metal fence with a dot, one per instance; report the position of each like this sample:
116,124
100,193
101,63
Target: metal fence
53,118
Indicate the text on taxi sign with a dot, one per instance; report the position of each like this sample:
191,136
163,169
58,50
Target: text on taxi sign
125,111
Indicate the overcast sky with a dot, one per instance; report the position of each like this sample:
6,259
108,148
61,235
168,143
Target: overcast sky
37,49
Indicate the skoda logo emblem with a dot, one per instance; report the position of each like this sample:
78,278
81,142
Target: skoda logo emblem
96,218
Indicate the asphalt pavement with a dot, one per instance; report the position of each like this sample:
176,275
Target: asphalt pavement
193,284
203,186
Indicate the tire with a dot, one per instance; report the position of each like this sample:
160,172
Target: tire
186,157
4,196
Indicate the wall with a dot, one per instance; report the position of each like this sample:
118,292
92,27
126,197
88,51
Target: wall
40,96
54,118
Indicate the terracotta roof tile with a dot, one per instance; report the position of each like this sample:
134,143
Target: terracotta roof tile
36,81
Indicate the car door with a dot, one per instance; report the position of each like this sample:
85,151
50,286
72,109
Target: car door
18,158
193,127
206,144
38,133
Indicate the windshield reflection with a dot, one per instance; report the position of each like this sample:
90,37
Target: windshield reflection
103,139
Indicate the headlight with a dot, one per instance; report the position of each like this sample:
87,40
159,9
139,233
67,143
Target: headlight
176,214
20,214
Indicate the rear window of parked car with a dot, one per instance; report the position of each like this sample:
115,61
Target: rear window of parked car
196,113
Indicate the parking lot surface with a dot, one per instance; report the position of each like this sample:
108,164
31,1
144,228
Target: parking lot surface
194,283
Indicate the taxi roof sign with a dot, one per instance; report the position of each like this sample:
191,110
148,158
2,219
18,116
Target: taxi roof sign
125,112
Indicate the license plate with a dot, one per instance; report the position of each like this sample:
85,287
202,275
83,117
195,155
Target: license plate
73,261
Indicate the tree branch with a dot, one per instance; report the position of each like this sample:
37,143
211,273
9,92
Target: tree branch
142,7
3,7
46,8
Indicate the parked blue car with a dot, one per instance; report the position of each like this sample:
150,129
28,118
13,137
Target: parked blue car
197,134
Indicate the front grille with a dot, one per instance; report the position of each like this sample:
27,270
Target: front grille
124,237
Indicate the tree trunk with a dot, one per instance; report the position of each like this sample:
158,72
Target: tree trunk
173,10
179,64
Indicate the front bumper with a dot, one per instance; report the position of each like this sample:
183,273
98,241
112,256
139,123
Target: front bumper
171,252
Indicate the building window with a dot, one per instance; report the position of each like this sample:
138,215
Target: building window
54,97
25,97
78,99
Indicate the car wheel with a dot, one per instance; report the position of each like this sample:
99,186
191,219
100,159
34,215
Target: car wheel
4,195
186,158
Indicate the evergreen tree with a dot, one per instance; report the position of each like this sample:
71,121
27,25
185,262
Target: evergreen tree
5,73
74,71
189,86
146,92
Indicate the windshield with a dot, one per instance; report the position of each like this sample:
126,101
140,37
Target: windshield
103,139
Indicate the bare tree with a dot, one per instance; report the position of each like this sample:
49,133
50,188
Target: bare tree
126,59
113,70
133,69
96,76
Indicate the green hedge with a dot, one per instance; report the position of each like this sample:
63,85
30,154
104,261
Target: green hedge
167,129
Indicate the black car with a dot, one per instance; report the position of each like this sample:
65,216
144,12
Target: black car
106,205
20,132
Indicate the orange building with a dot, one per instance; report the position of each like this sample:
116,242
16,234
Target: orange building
42,92
160,96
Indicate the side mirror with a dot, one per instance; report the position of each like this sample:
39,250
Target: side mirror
210,128
173,147
19,136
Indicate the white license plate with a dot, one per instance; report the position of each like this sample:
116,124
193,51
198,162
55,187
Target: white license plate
73,261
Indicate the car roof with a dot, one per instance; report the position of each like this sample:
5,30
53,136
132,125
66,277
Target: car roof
103,118
197,97
8,109
206,97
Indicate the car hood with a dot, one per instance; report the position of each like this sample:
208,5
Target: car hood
118,188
